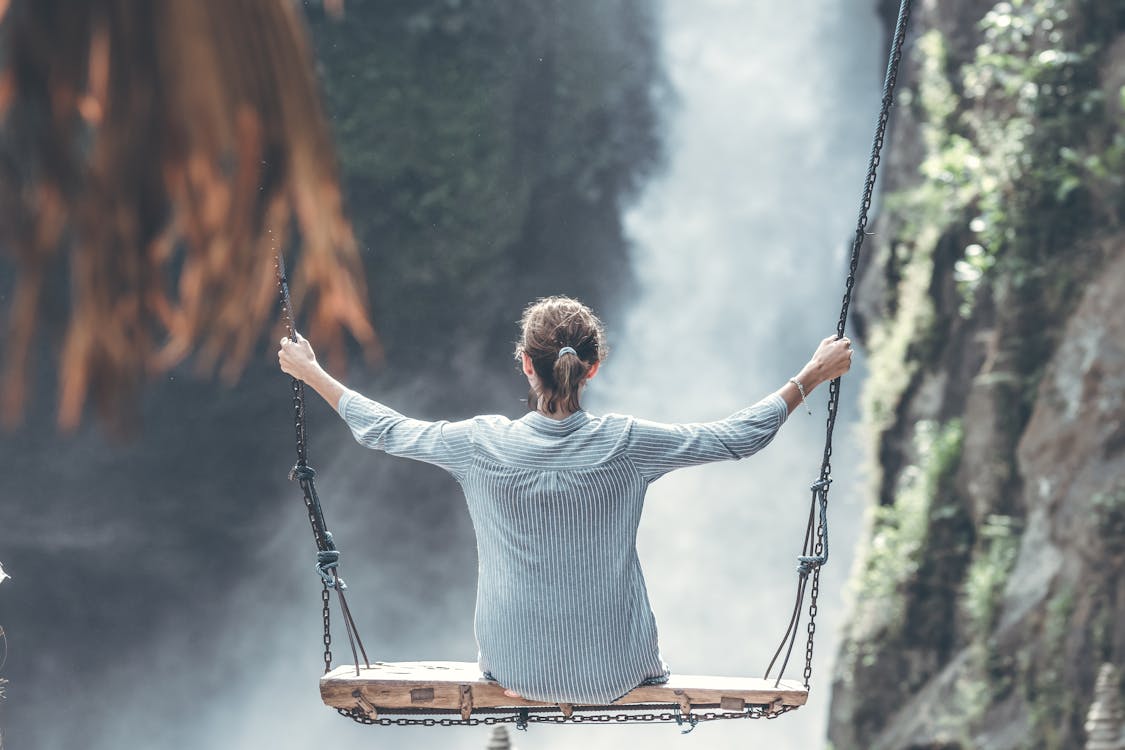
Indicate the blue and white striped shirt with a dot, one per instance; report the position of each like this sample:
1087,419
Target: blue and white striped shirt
562,612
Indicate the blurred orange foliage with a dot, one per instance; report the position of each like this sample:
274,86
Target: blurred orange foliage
166,150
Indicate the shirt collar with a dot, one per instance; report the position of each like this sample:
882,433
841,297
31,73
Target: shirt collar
542,423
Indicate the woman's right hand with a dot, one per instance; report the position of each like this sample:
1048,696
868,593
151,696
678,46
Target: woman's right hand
297,358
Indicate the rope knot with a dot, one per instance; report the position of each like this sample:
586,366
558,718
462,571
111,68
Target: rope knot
820,484
327,561
807,564
301,472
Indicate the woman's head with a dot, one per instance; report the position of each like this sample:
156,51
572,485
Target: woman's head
561,345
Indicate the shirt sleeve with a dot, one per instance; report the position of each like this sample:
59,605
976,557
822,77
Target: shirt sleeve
445,444
656,448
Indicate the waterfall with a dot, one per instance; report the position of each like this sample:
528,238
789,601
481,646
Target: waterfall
740,252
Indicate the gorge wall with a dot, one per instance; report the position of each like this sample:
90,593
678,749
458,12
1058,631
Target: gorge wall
993,305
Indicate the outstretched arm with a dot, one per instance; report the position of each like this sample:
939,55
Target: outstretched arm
445,444
656,449
831,359
298,359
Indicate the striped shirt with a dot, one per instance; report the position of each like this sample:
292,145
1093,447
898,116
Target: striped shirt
562,613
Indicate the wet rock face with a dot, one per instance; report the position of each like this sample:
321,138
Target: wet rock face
1072,466
1072,455
1005,593
1061,608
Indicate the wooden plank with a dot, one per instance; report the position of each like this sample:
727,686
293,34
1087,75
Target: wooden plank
460,685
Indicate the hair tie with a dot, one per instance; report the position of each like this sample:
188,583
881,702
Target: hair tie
567,350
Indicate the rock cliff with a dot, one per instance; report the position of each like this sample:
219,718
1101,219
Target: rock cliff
989,589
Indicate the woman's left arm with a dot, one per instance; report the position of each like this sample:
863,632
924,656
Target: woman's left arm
832,358
656,448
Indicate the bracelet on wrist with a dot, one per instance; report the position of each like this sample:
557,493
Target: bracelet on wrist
801,390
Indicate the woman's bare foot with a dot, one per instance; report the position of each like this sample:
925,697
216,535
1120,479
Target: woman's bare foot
513,694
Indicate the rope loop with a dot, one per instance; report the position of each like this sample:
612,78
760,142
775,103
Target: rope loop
806,564
302,472
327,561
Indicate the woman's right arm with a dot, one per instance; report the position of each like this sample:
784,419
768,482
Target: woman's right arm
445,444
298,359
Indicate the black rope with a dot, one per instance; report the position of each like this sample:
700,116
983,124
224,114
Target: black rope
327,556
814,551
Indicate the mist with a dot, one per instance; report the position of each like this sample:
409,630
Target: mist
741,256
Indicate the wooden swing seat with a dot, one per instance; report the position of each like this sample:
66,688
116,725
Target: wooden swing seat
443,686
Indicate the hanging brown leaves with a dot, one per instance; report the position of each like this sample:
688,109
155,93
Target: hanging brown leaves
163,151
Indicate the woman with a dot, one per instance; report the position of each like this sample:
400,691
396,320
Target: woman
555,498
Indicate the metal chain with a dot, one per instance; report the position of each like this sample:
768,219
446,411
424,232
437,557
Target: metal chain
812,560
326,616
524,718
889,82
327,555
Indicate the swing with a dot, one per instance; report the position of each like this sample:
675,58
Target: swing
436,693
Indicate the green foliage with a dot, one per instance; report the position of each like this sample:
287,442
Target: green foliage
1109,513
900,531
995,554
986,673
1043,80
949,157
891,365
1025,152
935,91
1046,691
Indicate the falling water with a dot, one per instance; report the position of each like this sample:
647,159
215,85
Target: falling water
740,250
740,257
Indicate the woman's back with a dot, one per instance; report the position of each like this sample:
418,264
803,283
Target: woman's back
562,610
556,497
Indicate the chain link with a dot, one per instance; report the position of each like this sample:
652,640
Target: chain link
326,616
522,719
810,564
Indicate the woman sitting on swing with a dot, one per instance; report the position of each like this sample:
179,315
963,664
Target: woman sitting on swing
555,498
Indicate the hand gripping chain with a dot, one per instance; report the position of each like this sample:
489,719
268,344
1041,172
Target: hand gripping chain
328,557
815,549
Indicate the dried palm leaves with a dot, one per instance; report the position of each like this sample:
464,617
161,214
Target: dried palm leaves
164,150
